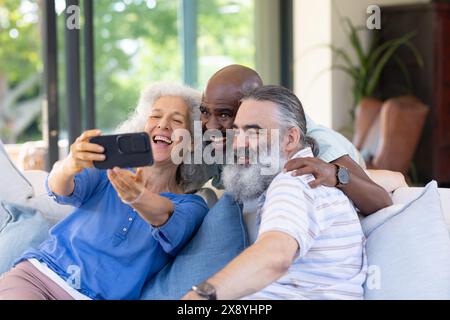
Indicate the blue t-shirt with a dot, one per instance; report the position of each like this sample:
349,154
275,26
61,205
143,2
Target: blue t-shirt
108,245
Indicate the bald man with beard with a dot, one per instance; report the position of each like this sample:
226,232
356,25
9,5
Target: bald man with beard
337,156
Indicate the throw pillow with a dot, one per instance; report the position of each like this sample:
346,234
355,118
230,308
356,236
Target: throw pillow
408,250
20,229
220,238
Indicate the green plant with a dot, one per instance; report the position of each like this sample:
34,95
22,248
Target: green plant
370,63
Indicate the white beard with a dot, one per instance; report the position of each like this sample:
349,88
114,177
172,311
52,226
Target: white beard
245,182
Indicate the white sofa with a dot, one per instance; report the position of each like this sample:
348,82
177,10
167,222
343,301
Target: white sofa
399,196
397,251
400,267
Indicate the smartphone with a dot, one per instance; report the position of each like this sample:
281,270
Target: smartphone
130,150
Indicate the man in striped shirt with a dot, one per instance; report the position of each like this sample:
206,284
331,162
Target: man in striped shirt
310,244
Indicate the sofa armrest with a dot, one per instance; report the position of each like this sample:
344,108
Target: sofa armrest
388,180
37,180
41,200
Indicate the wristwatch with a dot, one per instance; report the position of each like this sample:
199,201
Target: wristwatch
205,290
342,176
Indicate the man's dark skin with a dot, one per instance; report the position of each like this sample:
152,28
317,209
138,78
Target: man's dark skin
222,95
220,103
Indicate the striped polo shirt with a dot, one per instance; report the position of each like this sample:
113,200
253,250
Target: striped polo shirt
331,262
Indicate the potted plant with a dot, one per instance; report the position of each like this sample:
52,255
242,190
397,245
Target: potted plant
367,69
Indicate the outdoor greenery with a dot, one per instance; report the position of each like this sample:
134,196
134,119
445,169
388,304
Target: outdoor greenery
136,43
20,66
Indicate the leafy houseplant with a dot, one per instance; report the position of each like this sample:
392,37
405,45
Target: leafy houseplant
370,64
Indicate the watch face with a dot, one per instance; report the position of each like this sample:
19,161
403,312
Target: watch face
205,290
343,176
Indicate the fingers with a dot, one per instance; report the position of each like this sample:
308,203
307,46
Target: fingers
124,182
87,156
89,134
125,176
315,183
77,161
297,163
122,179
309,170
139,175
89,147
85,164
303,171
116,184
82,153
323,172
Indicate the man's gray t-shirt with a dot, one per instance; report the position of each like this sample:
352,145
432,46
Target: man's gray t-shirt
332,144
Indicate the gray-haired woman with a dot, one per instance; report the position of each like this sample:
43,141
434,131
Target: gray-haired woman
127,224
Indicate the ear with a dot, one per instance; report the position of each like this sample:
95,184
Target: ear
292,139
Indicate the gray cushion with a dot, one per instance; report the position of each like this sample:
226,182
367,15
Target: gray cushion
21,228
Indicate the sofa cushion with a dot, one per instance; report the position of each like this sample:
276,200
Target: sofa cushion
21,189
220,238
408,250
21,228
405,195
27,189
41,201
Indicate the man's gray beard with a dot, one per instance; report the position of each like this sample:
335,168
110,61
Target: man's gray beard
246,182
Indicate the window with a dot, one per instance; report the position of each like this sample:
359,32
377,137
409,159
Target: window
137,42
225,35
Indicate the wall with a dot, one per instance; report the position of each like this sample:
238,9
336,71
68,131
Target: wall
312,28
327,98
267,40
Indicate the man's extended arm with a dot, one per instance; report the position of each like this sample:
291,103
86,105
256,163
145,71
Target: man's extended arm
367,196
264,262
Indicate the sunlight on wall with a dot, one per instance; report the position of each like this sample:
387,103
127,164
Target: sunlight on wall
312,30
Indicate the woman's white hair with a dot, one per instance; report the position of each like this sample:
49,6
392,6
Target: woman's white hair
136,122
188,176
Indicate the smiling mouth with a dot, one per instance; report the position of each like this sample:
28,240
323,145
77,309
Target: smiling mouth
218,140
162,140
242,160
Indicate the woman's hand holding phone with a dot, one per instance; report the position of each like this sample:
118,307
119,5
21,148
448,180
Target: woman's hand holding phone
83,153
